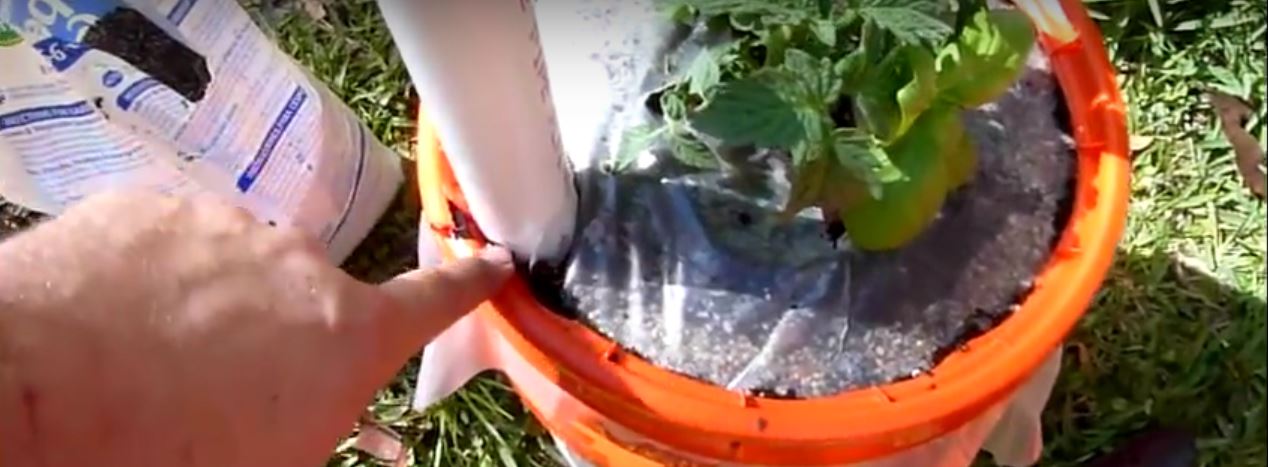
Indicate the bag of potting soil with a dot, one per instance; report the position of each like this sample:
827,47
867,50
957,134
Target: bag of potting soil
180,97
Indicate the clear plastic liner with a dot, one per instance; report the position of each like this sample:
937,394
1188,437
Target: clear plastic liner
692,271
714,288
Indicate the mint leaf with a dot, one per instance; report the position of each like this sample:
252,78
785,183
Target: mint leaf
910,21
704,73
748,111
633,142
985,59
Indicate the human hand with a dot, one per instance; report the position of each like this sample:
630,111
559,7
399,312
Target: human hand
144,330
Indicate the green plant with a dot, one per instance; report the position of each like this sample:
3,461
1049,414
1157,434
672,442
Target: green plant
864,95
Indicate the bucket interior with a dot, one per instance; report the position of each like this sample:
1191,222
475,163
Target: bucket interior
974,373
681,255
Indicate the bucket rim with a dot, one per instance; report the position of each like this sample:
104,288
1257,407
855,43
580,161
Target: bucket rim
702,419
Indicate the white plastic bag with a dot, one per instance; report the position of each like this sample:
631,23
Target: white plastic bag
243,120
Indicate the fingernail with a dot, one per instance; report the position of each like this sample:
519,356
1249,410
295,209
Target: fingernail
497,255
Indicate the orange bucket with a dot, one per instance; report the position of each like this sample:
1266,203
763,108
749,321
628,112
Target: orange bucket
614,408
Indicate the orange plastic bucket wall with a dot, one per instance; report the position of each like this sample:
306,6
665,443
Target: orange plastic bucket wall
585,389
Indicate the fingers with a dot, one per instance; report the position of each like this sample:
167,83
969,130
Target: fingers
427,302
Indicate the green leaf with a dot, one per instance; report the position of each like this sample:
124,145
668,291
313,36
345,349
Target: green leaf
690,151
704,73
817,85
875,43
808,178
746,22
908,205
749,111
965,12
919,93
854,145
986,59
863,158
852,70
680,13
770,11
877,97
825,31
673,105
633,142
8,37
910,21
717,23
777,40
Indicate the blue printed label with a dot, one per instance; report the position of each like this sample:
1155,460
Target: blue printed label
34,115
180,11
280,125
61,54
130,95
68,20
111,78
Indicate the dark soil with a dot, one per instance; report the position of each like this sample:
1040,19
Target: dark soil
712,300
689,269
14,218
391,247
546,282
129,35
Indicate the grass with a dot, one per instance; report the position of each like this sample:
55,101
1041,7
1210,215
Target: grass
1177,335
1176,338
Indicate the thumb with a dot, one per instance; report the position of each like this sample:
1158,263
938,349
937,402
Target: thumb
424,303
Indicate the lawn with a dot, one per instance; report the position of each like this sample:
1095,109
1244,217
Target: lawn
1176,338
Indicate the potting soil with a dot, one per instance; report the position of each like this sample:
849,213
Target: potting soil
690,270
129,35
14,218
